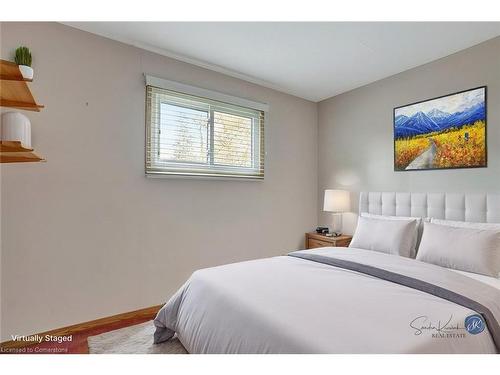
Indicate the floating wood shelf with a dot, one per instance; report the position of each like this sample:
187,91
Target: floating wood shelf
15,93
13,146
14,152
9,71
14,90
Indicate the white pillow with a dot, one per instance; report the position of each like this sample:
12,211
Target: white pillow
465,249
464,224
419,228
387,236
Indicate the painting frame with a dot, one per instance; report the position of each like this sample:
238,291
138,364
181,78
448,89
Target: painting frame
485,165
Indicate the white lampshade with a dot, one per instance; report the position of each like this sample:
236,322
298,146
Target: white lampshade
337,201
16,127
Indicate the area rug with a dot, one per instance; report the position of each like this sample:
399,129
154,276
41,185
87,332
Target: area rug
137,339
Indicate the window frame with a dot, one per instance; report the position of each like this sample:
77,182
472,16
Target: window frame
232,106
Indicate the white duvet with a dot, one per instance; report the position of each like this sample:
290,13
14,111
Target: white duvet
290,305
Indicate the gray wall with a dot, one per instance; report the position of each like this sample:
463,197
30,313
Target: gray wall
86,235
355,130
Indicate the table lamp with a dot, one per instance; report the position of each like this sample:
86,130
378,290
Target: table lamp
336,201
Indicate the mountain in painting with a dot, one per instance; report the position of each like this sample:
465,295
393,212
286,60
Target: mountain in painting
436,120
438,116
419,123
400,120
469,116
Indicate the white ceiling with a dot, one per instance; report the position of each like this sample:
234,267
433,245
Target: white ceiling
311,60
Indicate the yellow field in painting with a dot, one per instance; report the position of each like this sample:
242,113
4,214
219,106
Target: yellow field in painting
454,149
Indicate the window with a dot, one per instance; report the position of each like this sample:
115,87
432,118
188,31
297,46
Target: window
190,135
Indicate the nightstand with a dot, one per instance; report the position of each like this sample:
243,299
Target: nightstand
314,240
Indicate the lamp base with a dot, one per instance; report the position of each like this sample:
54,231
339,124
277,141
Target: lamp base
337,229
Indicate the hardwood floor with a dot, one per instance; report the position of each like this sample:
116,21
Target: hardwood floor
79,333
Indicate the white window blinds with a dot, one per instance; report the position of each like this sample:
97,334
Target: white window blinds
189,135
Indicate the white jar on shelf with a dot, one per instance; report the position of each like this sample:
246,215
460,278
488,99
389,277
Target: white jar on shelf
16,127
26,71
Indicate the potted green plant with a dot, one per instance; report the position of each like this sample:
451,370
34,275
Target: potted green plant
23,59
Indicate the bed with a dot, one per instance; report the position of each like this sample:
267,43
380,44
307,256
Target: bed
338,300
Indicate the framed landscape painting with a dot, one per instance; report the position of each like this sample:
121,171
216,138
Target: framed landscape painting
442,133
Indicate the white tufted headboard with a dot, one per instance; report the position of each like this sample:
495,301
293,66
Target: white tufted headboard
482,208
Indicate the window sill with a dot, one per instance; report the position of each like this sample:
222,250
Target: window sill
202,177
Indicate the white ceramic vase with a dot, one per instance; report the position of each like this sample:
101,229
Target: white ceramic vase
26,71
16,127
